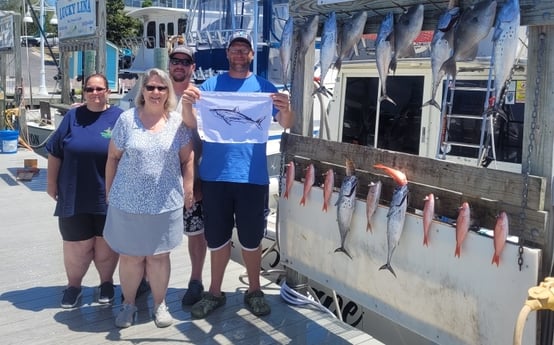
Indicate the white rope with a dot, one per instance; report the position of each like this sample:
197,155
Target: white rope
295,298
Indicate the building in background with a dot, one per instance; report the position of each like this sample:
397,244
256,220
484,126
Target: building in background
161,3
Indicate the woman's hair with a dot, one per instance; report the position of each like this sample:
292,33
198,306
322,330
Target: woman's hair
97,75
171,101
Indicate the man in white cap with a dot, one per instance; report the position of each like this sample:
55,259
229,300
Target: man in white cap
235,181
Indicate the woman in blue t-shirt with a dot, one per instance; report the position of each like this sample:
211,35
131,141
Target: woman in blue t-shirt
78,151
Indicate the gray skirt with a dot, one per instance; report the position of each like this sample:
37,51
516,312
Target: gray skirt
143,234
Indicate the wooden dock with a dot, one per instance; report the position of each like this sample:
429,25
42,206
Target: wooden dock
33,279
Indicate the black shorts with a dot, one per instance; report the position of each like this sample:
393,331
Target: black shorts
226,203
81,227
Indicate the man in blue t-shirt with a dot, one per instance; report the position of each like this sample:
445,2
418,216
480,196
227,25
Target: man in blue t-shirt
230,196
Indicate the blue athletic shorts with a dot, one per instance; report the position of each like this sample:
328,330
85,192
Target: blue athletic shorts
225,203
81,227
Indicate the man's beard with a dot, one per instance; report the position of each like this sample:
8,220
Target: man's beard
179,79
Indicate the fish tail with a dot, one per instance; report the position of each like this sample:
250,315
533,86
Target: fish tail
386,98
286,195
343,250
259,122
369,228
495,260
388,267
303,201
425,241
324,208
457,251
433,103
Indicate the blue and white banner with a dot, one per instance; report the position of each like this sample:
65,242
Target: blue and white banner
234,117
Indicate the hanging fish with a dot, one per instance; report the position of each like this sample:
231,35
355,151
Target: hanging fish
505,40
285,49
328,186
473,26
501,230
395,223
307,34
406,29
462,227
372,201
289,180
441,49
383,53
346,204
328,51
309,179
351,33
428,215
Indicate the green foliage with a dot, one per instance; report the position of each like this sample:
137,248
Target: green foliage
10,5
146,3
118,24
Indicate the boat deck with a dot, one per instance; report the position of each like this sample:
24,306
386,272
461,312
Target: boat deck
33,279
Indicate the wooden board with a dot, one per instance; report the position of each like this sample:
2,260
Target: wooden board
488,191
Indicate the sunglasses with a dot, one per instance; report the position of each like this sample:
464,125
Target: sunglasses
92,89
184,62
154,87
239,51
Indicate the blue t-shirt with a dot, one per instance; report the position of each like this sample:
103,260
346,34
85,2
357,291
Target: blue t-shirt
240,163
148,178
81,142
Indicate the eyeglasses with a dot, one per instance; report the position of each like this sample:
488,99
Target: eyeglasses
154,87
184,62
239,51
92,89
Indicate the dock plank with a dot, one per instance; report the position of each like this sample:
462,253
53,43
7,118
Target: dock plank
33,279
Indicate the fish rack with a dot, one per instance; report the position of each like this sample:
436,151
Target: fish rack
487,191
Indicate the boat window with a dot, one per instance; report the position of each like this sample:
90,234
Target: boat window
162,35
181,26
150,35
170,29
399,125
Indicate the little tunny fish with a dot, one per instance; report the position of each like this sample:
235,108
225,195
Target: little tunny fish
505,39
289,179
406,29
462,227
372,201
428,215
395,222
328,185
352,31
398,176
309,179
383,53
441,49
328,51
501,230
285,49
345,209
308,33
474,25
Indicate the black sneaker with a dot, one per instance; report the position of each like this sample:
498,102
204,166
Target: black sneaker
106,293
143,288
193,294
71,297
